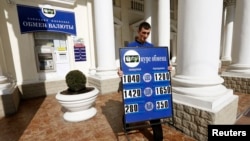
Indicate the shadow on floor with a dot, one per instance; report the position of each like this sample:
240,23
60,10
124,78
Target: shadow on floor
18,122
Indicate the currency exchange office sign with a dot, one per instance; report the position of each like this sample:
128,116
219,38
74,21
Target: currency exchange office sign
46,18
146,83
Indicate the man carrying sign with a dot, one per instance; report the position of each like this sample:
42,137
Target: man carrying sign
140,41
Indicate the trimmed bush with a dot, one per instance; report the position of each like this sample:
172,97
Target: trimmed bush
76,81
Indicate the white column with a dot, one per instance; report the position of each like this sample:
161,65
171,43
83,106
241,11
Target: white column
228,30
148,16
164,23
6,84
241,35
198,45
92,69
105,43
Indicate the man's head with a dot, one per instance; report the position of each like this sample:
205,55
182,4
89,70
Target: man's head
143,31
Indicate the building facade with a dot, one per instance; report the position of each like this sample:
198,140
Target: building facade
41,40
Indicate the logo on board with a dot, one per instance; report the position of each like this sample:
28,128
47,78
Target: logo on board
49,12
131,58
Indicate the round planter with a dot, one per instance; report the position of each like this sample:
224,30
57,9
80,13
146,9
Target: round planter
79,107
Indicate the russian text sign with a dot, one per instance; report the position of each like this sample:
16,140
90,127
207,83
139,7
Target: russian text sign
146,83
35,19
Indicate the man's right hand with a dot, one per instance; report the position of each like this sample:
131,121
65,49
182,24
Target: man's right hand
119,72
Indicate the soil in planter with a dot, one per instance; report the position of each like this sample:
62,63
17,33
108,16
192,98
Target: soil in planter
68,92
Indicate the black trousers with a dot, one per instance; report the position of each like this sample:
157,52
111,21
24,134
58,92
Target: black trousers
156,127
157,130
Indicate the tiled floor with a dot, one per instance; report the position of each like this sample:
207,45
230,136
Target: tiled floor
243,109
41,120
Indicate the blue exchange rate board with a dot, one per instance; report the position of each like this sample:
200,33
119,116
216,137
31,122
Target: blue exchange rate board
146,81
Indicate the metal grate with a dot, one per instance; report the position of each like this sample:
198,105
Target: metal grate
137,5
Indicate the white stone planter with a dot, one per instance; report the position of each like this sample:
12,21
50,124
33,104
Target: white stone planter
78,107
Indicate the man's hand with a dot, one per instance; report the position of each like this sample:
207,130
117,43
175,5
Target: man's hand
170,68
119,72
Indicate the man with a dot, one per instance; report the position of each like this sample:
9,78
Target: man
140,41
143,33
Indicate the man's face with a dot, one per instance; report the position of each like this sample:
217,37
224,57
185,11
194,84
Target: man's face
143,34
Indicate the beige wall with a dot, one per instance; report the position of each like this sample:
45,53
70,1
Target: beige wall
17,50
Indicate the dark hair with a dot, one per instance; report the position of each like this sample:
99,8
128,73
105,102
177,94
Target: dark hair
144,25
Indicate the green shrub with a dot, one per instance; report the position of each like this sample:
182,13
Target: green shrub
76,81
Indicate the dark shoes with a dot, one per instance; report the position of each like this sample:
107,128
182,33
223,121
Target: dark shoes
157,130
